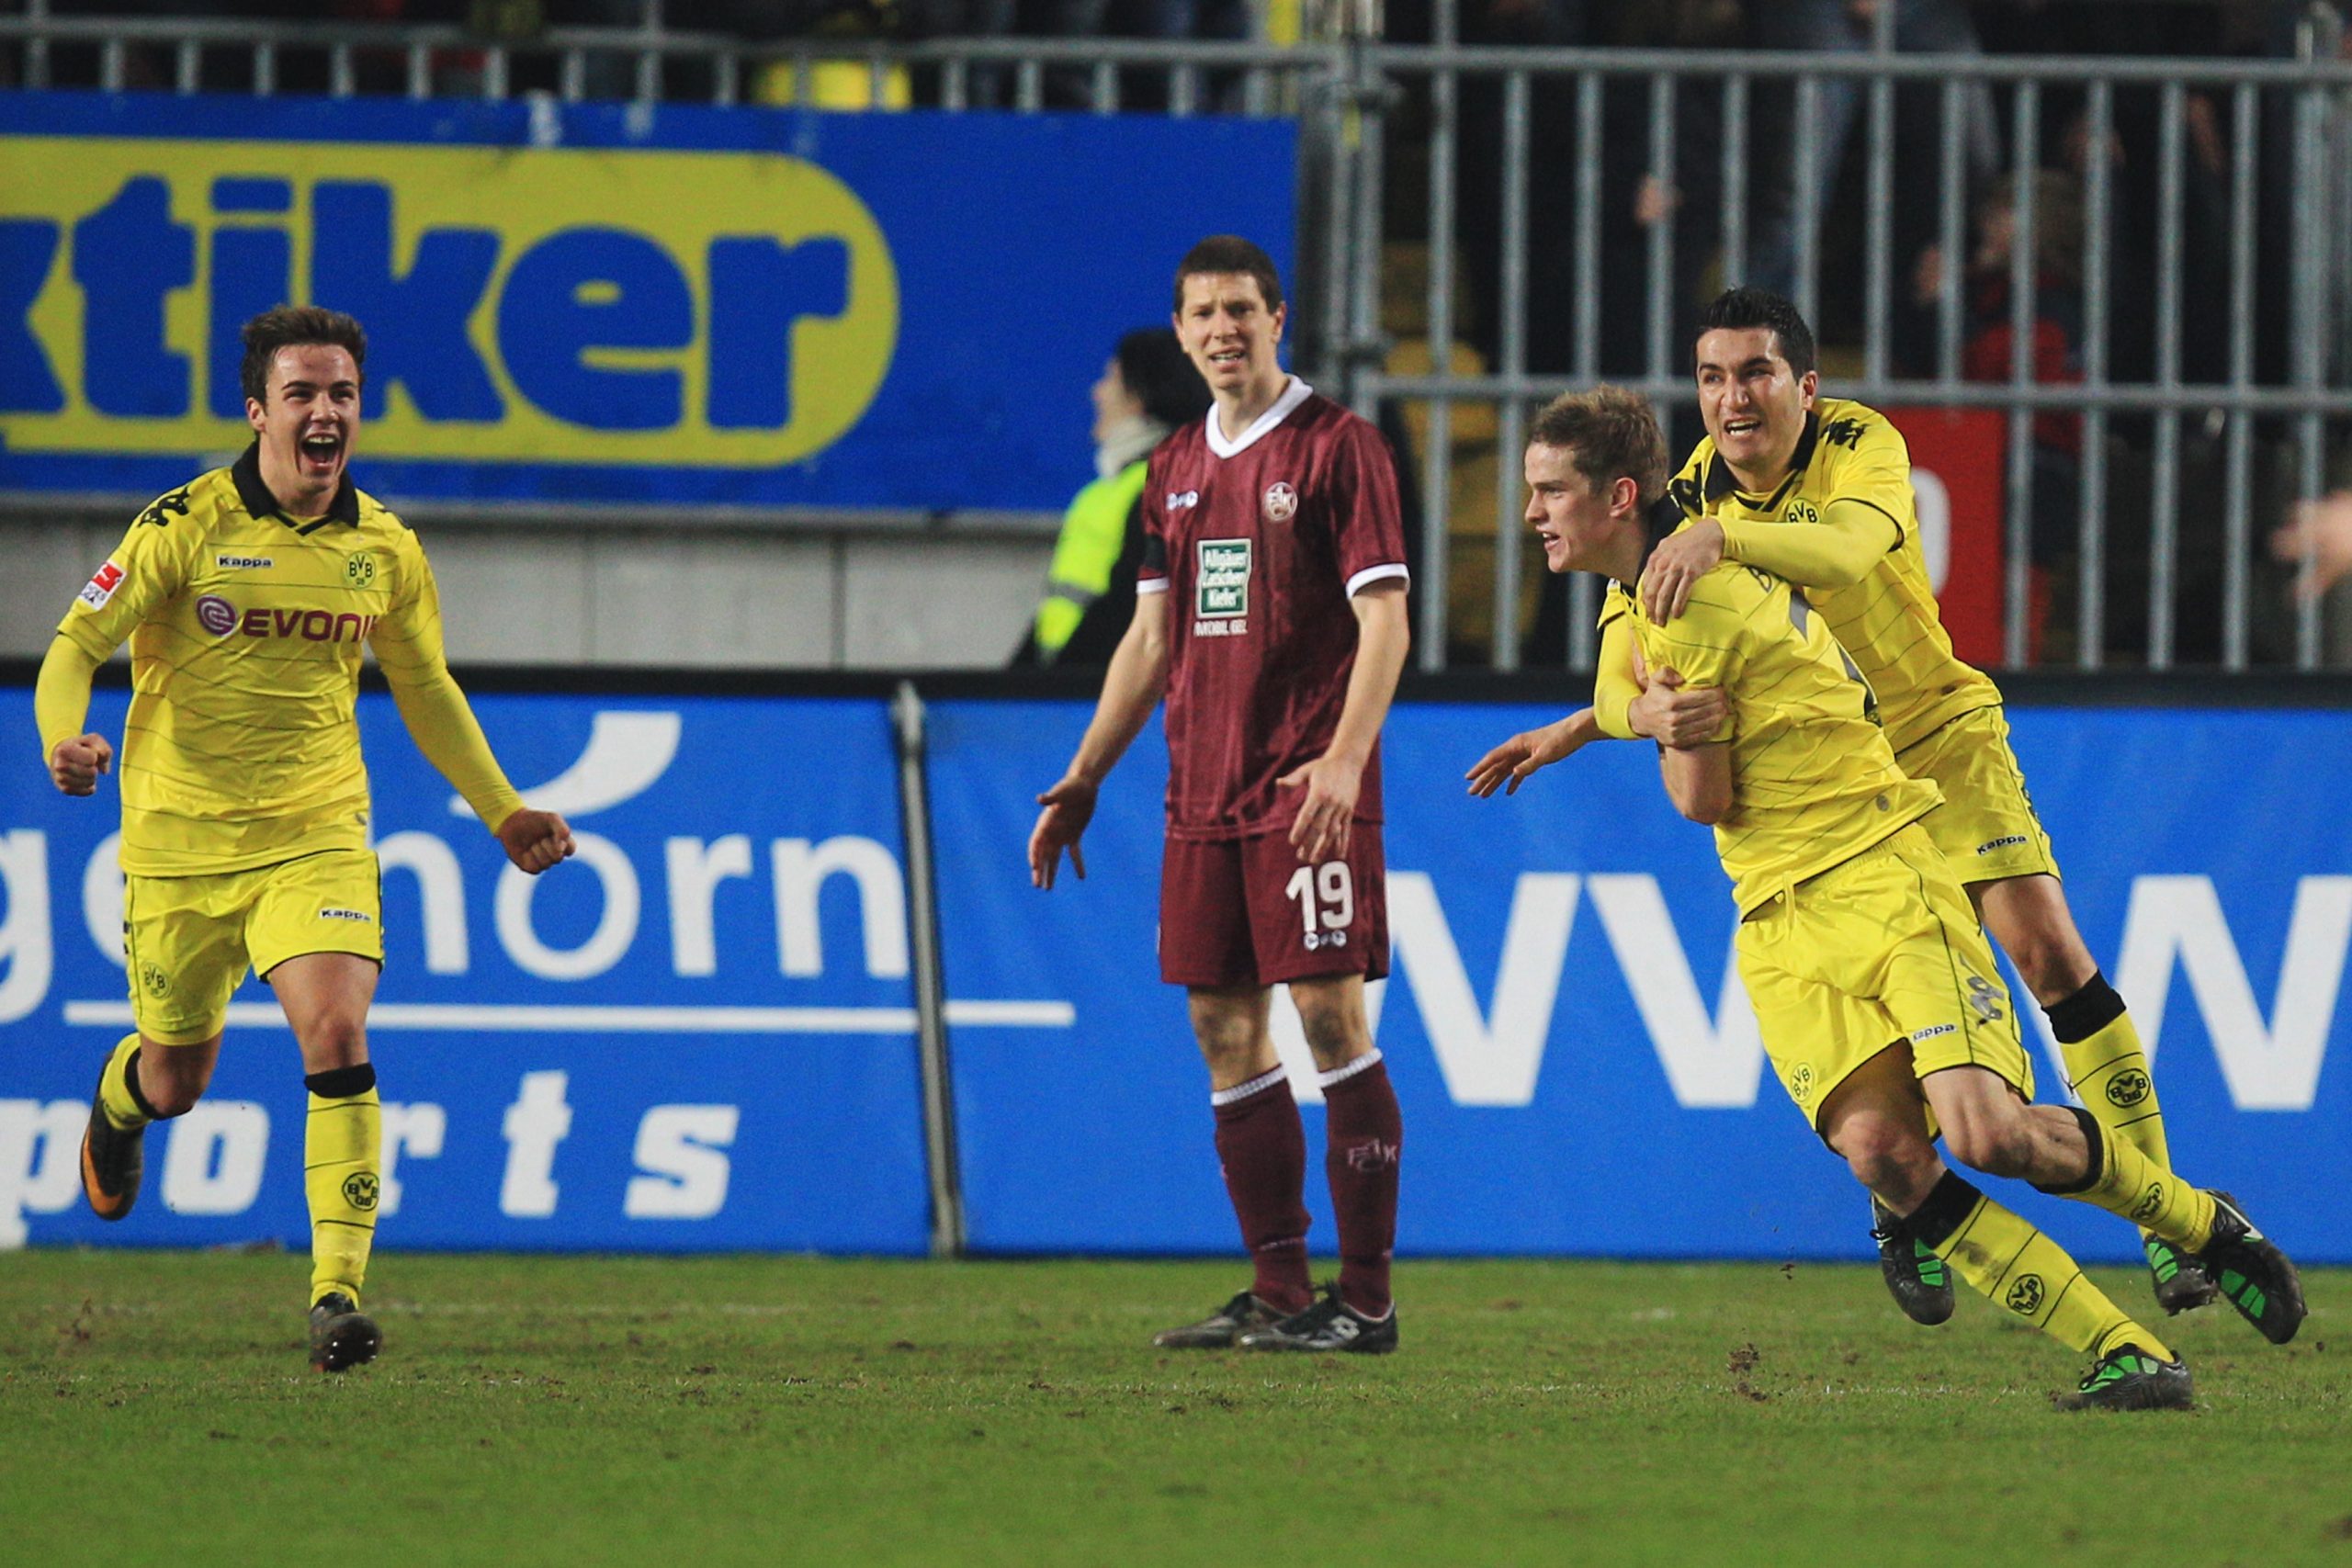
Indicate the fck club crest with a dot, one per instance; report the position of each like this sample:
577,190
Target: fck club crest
1282,503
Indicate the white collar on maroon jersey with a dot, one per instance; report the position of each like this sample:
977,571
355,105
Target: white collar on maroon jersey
1292,395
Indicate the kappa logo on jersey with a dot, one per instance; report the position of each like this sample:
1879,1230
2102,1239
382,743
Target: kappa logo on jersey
101,586
1282,503
1843,433
1221,587
228,562
1180,498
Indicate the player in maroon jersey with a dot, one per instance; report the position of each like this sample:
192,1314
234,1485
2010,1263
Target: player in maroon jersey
1270,613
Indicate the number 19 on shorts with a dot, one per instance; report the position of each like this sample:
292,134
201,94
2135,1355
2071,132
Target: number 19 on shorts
1326,903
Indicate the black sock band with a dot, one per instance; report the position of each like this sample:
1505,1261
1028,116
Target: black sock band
131,1081
2096,1139
1950,1203
2086,1012
342,1083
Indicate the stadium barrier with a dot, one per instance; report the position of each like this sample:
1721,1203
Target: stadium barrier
712,1030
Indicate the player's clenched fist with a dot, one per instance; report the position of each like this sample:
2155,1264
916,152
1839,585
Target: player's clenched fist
1069,807
76,763
534,840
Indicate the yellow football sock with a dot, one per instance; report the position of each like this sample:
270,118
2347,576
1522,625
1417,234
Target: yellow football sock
2124,1182
2108,1069
342,1156
117,1093
2009,1261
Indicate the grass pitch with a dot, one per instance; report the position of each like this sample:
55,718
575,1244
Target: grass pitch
156,1408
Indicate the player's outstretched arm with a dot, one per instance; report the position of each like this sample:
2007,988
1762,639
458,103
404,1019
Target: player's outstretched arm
76,759
534,840
1516,760
2320,534
1131,689
1383,637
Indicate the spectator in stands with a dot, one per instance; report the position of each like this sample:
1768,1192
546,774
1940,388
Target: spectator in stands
1988,338
1149,388
1849,27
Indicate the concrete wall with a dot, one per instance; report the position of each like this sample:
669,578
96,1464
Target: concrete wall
919,594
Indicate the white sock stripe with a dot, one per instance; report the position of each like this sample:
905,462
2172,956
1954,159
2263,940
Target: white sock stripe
1340,1075
1244,1090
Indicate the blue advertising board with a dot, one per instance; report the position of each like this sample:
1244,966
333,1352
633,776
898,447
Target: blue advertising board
670,303
1578,1066
698,1033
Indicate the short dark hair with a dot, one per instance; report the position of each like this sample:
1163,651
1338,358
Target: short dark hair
1610,434
1162,376
290,326
1222,254
1741,308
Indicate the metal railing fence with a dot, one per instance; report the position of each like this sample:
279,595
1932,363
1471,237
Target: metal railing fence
1576,204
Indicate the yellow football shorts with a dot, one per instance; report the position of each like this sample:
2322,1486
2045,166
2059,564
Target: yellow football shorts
1987,828
191,938
1876,950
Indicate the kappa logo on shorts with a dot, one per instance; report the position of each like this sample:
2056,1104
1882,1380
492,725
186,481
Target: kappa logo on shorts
101,586
2013,842
152,976
1282,503
1316,940
1933,1030
2128,1089
2025,1296
360,1190
359,915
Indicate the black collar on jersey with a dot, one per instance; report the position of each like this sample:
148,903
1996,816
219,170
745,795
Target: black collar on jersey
1720,483
246,472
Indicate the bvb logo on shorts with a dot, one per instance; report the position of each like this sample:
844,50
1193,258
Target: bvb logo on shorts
2149,1201
1984,997
1282,503
152,976
359,570
2128,1089
359,1191
2025,1296
1801,1082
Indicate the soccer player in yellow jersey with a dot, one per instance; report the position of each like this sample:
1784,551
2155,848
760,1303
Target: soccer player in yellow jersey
1818,491
1874,990
246,597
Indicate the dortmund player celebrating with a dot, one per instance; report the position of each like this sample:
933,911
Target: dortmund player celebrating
1874,990
1817,490
245,596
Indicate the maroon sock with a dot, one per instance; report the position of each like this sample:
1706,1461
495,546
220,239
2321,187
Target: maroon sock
1365,1134
1262,1150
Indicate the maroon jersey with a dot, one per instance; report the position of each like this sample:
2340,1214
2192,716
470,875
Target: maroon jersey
1260,543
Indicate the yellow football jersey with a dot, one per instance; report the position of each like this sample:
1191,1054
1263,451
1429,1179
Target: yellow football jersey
246,627
1814,782
1888,620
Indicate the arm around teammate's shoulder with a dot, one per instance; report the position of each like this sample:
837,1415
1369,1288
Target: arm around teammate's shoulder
1852,537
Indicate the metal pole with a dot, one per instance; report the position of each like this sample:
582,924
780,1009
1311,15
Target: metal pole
1734,176
1511,413
2163,537
1661,245
2237,522
929,979
1879,203
1807,198
1437,463
2018,596
1583,605
2091,537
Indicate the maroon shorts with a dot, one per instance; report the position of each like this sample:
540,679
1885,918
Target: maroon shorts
1245,912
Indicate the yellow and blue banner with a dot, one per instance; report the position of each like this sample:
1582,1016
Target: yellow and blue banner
672,304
